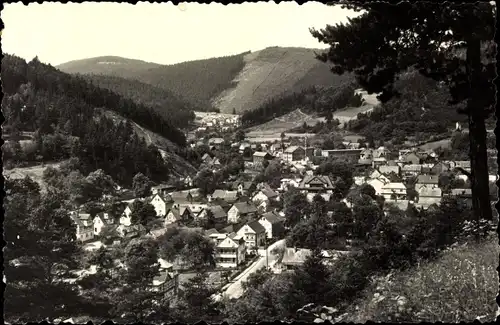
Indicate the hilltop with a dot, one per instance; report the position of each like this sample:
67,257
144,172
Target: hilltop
236,83
107,65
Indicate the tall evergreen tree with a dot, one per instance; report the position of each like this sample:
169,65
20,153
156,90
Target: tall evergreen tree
451,43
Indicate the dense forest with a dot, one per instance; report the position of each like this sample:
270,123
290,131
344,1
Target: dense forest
196,81
59,113
421,110
322,100
164,102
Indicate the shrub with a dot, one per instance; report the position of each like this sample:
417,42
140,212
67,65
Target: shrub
461,285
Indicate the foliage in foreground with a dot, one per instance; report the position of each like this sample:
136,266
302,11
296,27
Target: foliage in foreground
461,285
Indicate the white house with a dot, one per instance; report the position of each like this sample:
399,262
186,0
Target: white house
159,204
273,223
253,233
394,191
377,184
100,221
230,252
241,209
84,226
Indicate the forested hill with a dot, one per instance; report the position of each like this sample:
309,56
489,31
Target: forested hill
321,100
231,84
195,81
164,102
421,110
108,65
59,110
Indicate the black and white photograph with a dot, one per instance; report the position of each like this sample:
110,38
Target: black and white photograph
253,162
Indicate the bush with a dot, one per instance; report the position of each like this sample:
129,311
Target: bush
461,285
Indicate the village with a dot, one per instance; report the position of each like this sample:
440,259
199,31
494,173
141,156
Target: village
244,215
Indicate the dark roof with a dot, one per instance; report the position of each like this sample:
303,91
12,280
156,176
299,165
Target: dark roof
427,179
322,180
257,227
208,232
217,211
273,217
245,207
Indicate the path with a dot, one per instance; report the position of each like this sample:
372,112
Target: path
234,289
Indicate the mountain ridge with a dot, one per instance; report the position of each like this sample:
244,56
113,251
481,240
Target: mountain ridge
235,83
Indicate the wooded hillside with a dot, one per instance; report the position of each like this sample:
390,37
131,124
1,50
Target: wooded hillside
58,110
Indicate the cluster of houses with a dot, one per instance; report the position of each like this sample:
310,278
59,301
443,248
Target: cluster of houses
246,215
216,121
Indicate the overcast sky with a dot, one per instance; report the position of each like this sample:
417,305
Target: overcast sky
161,33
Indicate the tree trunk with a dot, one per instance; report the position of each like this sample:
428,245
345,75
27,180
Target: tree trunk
477,136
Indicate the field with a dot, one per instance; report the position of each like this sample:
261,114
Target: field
35,172
445,143
275,127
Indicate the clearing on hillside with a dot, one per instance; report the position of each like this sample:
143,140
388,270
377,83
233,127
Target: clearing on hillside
273,72
275,127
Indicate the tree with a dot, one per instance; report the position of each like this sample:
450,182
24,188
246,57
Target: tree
311,281
296,207
197,303
135,301
40,252
102,183
257,279
205,181
143,213
435,40
240,135
141,185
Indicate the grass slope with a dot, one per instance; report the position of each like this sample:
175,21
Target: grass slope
35,172
272,72
461,285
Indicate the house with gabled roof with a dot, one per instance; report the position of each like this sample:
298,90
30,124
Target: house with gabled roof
125,217
316,184
216,210
162,189
412,158
428,196
172,216
228,196
230,251
160,204
101,220
386,169
241,209
259,157
428,181
294,153
273,223
464,164
265,195
440,167
394,191
411,170
84,226
253,233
